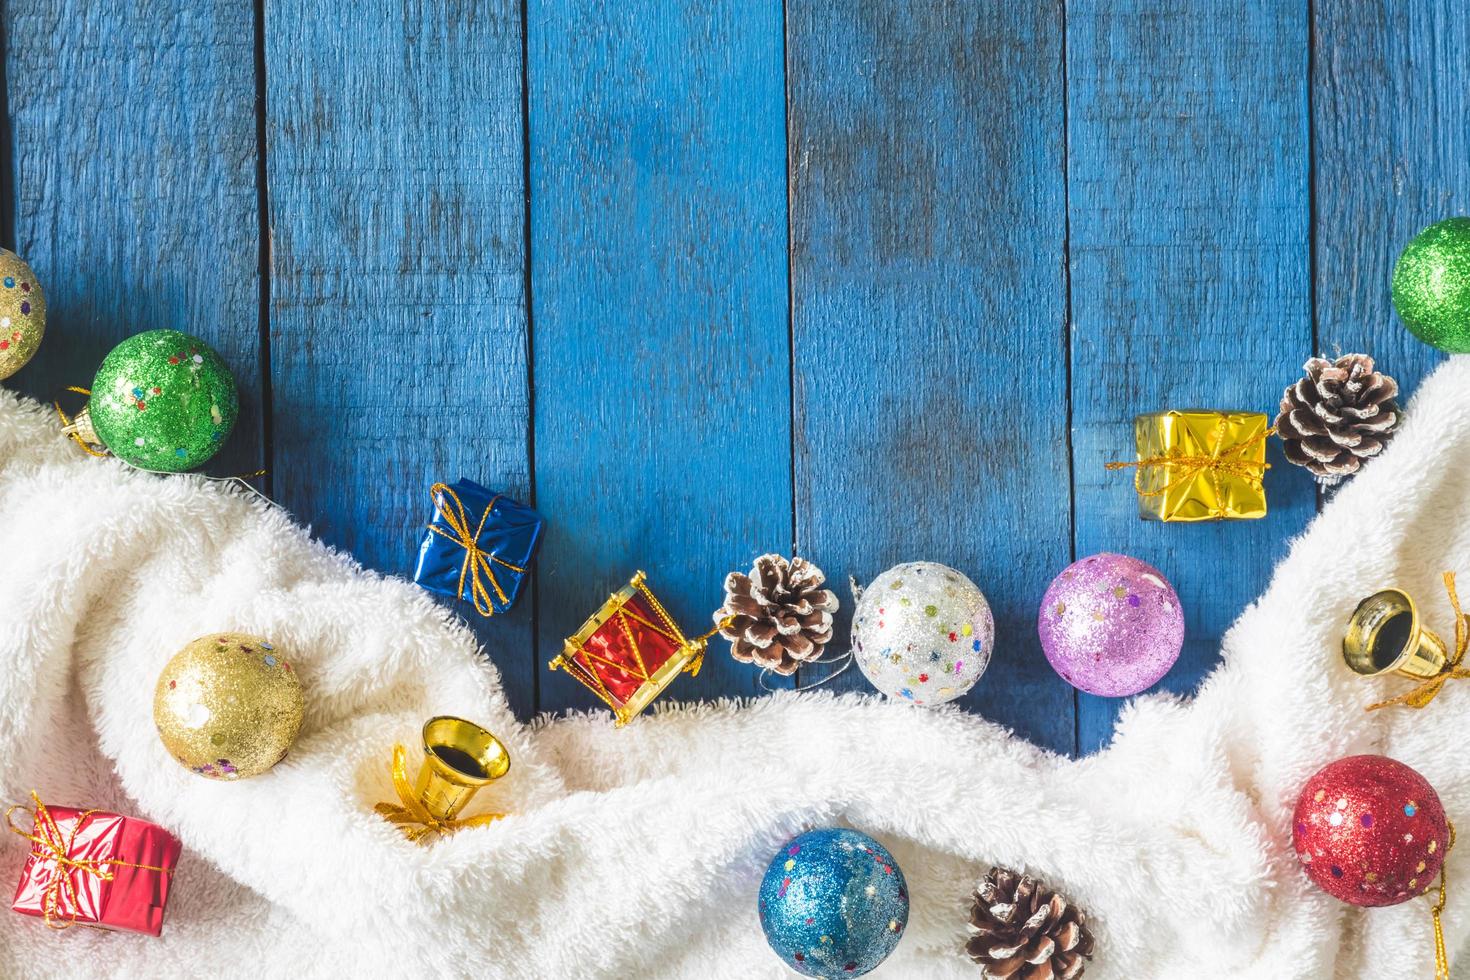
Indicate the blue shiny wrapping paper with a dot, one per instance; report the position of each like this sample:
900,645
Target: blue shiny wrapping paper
510,533
833,903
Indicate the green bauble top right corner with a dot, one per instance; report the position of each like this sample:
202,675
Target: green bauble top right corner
1431,285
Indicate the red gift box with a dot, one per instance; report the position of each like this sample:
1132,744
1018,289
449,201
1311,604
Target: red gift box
629,651
95,868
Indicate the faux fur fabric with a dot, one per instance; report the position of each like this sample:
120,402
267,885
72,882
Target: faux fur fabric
637,853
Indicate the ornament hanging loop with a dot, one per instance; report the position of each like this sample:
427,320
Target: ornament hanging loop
1441,957
79,427
844,659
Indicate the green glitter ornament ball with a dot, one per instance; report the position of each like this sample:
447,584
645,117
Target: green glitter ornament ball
1431,285
163,400
22,313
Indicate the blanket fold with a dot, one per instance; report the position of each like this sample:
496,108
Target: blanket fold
637,852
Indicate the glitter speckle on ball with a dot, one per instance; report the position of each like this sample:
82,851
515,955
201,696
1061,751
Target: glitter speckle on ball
228,706
1369,830
833,903
922,632
22,313
1111,625
163,400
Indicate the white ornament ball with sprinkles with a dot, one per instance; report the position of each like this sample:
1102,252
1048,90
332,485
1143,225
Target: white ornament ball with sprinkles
922,632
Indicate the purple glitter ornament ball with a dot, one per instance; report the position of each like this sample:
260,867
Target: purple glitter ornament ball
1111,625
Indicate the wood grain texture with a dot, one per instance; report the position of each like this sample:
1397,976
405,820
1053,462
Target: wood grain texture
134,148
1189,206
1391,127
398,327
959,171
928,223
662,432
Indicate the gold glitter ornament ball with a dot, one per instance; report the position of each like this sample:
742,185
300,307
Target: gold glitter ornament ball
22,313
228,706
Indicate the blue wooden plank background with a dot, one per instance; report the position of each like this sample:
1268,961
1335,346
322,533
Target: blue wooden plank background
1190,217
870,281
397,342
929,312
662,426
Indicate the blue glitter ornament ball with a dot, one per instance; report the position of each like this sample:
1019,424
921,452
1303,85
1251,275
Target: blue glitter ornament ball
833,903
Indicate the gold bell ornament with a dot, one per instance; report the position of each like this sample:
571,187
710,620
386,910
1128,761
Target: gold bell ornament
460,758
1386,635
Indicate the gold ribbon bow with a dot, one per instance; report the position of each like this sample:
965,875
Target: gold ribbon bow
1218,462
477,563
52,846
412,817
1426,690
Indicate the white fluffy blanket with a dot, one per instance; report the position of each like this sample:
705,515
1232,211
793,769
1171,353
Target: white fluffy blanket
637,853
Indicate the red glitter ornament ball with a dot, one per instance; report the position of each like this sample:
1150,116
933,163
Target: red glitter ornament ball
1370,831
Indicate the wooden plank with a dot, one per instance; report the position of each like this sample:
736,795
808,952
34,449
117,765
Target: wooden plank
398,325
1391,129
928,223
135,180
1189,210
659,310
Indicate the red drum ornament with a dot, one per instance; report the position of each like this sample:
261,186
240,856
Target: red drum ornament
630,650
1370,831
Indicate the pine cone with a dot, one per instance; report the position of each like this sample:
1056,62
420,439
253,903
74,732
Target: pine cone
780,616
1022,930
1340,414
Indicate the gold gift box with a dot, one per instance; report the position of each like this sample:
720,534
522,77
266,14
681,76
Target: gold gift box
1201,465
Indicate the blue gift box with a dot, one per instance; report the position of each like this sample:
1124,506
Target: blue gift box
478,547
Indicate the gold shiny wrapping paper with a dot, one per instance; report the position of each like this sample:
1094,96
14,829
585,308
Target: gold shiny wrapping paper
1201,465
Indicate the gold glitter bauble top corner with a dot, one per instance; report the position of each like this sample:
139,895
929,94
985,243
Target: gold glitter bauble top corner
22,313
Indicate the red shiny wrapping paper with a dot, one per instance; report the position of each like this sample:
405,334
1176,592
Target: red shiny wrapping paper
135,898
1370,831
610,643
